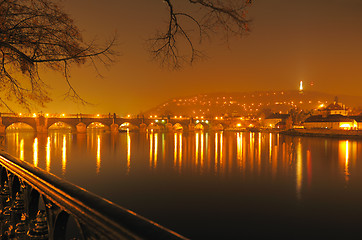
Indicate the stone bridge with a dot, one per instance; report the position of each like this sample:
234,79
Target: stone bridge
80,122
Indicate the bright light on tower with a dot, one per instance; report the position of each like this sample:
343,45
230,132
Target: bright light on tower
301,86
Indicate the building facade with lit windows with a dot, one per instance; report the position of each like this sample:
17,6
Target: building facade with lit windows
334,116
334,108
335,121
276,120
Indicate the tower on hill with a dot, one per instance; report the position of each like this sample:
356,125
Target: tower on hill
301,87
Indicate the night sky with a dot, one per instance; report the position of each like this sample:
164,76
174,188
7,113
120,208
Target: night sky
317,41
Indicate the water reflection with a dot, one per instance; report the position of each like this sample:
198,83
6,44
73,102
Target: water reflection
177,151
265,155
344,154
48,151
35,152
128,151
21,155
266,177
299,169
64,155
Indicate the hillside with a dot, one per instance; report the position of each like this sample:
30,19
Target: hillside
250,103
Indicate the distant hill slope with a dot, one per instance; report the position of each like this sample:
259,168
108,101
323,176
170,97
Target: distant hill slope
246,103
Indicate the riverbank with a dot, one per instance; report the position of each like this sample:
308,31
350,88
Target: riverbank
331,133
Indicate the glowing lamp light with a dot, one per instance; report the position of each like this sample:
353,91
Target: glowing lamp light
63,115
180,116
97,115
155,116
216,118
34,114
47,114
156,120
322,105
128,115
207,121
197,121
20,114
345,126
238,125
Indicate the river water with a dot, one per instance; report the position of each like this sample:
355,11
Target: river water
213,185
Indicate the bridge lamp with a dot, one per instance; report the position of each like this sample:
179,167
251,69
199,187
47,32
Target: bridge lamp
207,121
197,121
63,115
155,116
156,120
238,125
97,115
216,118
20,114
34,114
180,116
128,115
47,114
163,120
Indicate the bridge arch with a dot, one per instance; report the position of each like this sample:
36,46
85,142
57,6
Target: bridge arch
199,126
218,127
127,125
61,126
20,126
177,127
97,126
154,126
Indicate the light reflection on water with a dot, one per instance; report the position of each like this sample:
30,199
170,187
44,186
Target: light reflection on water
185,179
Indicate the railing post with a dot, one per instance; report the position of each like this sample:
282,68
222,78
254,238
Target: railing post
95,217
40,229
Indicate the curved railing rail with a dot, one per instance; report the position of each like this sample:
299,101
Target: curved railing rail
37,205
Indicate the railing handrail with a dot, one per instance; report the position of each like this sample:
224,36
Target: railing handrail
109,219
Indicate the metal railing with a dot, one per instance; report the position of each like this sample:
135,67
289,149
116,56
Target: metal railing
35,204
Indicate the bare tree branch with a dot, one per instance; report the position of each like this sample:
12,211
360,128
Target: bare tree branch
34,33
227,17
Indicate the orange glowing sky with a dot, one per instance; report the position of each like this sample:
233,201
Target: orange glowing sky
316,41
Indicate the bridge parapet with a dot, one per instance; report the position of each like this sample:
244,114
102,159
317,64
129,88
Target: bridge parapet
42,122
37,205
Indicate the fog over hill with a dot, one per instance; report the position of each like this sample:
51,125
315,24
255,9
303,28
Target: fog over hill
250,103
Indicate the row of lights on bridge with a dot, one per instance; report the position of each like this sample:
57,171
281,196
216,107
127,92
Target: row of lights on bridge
129,116
61,115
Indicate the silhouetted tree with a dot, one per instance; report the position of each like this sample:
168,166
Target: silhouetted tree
225,16
37,33
34,34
